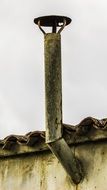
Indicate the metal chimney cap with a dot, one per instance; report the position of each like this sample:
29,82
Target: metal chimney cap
51,20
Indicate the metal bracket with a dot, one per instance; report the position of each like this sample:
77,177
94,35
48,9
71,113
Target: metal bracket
52,21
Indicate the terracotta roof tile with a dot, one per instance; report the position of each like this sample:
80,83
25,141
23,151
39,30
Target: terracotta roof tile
87,130
87,124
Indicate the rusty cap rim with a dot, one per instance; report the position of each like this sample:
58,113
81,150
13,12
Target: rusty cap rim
51,20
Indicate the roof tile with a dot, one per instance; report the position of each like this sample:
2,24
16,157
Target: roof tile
30,139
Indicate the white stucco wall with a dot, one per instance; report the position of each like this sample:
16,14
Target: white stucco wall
42,171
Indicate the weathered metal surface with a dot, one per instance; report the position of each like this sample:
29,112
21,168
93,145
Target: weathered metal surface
67,159
53,91
52,19
53,97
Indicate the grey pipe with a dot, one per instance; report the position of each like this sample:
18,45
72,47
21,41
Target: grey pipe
53,107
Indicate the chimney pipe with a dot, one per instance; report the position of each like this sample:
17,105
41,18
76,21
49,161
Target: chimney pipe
53,95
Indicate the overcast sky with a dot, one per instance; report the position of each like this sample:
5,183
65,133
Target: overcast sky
84,62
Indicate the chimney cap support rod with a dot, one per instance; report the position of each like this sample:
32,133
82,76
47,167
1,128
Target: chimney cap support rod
53,21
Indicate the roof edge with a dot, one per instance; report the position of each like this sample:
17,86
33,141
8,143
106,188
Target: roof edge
88,130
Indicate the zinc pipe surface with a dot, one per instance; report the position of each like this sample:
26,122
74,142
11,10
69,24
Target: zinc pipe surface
53,86
68,160
53,107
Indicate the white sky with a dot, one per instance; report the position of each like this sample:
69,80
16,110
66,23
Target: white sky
84,61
